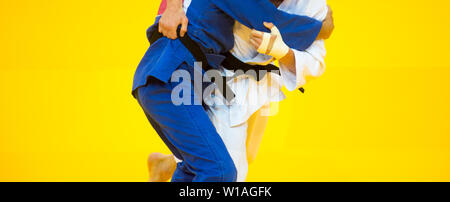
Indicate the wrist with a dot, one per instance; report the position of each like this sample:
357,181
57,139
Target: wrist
280,50
174,4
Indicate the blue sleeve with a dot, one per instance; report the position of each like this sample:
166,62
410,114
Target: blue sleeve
298,32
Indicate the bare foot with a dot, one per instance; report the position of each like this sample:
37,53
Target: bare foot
161,167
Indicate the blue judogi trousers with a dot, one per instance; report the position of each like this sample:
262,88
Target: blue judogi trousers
189,134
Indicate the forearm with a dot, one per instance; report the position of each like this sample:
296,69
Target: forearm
288,61
327,26
300,31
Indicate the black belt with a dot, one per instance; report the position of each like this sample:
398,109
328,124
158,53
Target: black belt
256,71
234,64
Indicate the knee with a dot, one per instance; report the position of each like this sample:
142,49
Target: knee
219,171
224,172
229,172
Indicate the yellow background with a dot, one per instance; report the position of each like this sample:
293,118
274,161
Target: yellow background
380,113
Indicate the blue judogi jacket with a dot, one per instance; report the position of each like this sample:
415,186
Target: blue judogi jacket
211,25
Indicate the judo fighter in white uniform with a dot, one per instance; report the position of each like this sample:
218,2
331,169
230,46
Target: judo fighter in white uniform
241,123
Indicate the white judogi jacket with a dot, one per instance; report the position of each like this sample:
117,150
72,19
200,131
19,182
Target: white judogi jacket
251,95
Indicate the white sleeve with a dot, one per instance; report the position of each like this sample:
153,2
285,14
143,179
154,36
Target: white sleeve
308,64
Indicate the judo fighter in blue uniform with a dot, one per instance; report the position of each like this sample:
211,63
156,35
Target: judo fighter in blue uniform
187,129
